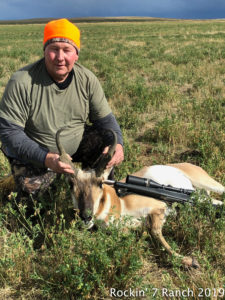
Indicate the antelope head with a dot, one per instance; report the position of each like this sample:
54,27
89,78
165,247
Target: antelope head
86,185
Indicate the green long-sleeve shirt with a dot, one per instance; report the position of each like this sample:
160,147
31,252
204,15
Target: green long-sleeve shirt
33,101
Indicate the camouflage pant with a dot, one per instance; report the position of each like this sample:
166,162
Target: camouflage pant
31,183
30,179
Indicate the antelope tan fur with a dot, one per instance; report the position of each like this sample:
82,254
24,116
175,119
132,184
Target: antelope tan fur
96,200
107,205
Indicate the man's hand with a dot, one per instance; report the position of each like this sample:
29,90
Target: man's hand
52,162
118,156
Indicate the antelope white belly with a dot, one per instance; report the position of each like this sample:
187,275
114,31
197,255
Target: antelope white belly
168,175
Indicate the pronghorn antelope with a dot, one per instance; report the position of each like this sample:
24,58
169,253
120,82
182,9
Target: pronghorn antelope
96,200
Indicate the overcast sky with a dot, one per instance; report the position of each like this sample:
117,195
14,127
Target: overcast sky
190,9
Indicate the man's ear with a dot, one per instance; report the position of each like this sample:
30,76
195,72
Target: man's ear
77,55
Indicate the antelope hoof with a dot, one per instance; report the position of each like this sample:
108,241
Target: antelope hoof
190,262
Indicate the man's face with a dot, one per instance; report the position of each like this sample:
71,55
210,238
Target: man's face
59,60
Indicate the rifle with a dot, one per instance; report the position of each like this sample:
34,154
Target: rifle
150,188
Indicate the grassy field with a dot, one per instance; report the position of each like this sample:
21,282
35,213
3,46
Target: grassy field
165,81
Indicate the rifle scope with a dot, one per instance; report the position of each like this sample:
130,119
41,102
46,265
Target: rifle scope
130,179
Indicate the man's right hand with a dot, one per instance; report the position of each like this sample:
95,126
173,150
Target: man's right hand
52,162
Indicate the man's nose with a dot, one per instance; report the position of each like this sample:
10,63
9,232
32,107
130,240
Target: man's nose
60,54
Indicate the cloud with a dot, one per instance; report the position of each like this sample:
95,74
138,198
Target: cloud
25,9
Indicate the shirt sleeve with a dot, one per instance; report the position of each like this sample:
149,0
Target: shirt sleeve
99,107
15,105
16,144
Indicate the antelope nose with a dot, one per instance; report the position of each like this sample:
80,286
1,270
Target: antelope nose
87,219
89,222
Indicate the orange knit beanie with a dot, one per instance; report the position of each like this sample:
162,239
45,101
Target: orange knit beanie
61,30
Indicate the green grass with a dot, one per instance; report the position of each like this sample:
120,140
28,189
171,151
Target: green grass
165,82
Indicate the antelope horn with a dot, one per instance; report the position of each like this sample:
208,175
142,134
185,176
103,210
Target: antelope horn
101,163
63,155
112,147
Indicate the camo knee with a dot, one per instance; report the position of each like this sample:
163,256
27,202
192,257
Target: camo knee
31,180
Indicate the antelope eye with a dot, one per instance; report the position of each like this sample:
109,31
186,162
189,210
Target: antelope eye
99,183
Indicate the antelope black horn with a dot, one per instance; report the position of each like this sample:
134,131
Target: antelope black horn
58,142
101,163
112,147
63,155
